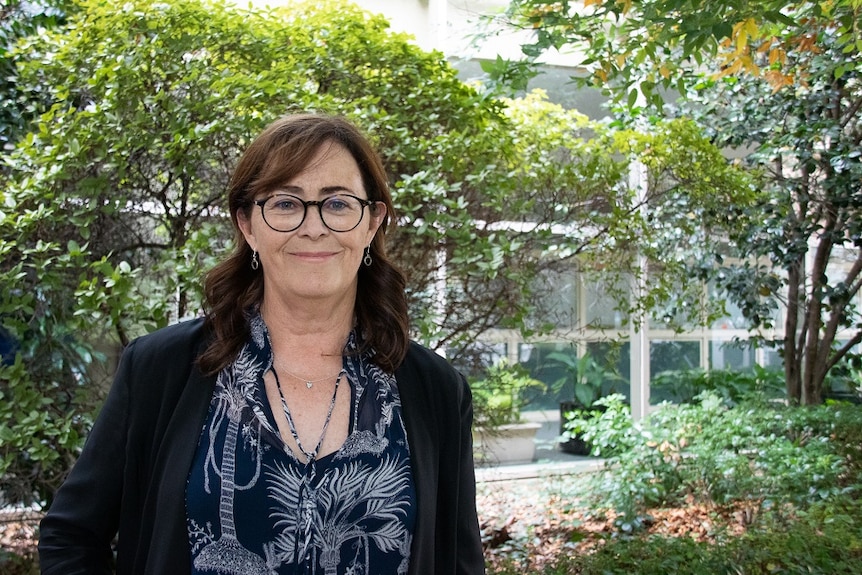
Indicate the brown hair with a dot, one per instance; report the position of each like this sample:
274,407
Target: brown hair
231,288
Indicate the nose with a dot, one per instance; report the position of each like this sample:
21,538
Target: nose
313,225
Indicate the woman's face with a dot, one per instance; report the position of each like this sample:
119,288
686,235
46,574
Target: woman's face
313,263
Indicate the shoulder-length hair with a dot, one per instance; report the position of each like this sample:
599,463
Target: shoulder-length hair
232,287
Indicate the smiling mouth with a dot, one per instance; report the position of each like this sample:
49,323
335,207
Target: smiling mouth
313,255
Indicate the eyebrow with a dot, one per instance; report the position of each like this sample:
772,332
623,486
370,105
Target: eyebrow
327,190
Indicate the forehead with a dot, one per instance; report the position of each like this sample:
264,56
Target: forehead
332,165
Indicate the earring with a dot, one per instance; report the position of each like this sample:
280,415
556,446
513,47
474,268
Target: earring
367,259
255,263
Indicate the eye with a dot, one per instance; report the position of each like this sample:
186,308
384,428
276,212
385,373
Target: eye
339,204
285,203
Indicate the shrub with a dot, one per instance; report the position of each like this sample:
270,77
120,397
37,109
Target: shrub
501,394
758,453
732,386
645,556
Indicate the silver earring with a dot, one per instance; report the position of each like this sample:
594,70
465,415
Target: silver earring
367,259
255,263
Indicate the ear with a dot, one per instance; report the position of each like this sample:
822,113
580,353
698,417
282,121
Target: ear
244,223
378,214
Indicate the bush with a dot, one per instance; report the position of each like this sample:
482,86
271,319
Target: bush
42,428
733,386
501,394
755,453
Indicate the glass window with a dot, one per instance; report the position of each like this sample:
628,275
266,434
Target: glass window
736,355
733,318
667,355
535,358
671,355
771,358
601,295
615,356
558,305
681,308
476,358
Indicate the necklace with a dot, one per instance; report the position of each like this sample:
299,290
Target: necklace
309,383
309,455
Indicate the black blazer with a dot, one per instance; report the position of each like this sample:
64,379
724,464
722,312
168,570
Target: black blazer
130,478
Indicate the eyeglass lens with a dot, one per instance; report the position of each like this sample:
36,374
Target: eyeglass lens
340,213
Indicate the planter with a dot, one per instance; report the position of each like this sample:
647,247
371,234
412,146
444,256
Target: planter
506,444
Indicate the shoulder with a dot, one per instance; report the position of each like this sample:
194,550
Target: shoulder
156,368
424,369
420,357
180,340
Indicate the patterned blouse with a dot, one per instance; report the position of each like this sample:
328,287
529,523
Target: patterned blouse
254,508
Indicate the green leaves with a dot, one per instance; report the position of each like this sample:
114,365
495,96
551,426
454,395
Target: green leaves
709,453
500,394
774,84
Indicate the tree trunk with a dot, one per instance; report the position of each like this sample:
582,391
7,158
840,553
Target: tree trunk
792,359
818,343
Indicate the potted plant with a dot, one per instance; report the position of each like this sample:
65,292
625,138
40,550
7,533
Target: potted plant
581,385
500,434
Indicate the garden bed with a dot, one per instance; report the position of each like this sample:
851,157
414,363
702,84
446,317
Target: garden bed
529,523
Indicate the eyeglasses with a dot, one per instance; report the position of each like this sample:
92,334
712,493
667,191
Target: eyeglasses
339,213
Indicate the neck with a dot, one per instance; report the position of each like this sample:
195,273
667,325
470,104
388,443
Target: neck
307,334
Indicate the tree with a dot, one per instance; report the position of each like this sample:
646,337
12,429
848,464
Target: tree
113,200
19,19
112,197
780,82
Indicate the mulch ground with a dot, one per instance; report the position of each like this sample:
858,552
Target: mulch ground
531,522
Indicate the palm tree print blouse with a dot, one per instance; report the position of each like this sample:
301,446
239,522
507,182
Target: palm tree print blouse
254,508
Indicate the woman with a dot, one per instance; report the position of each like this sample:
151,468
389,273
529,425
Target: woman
295,428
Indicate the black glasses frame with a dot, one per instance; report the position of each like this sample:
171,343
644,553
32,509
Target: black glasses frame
319,203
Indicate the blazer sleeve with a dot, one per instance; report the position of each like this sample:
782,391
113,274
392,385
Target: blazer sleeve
75,535
438,413
469,555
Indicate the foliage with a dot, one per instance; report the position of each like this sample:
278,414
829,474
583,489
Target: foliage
584,377
759,453
800,246
112,202
500,396
40,433
732,386
19,19
680,211
50,383
778,83
488,232
640,48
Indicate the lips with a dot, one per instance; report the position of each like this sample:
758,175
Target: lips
314,256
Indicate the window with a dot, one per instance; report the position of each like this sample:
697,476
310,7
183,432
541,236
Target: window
671,355
600,298
731,355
